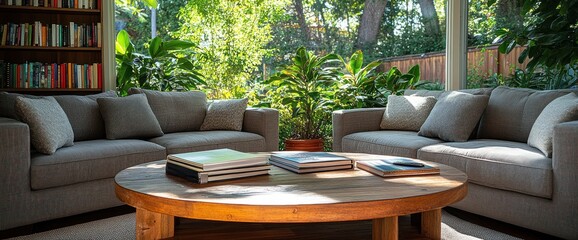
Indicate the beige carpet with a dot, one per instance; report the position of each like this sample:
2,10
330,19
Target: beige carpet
123,227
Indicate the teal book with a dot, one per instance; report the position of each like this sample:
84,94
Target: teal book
395,167
219,159
309,159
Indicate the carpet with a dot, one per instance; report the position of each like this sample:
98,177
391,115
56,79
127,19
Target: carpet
123,227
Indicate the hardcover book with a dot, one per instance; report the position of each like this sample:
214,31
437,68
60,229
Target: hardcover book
309,159
219,159
205,177
312,169
396,167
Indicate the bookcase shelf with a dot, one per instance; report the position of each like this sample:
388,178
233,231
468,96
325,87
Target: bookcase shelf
36,48
49,9
65,58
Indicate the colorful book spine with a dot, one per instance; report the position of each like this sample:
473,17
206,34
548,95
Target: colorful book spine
50,75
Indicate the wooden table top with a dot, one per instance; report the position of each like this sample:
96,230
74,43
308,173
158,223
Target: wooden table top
284,196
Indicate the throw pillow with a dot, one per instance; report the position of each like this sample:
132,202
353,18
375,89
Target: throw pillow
225,115
128,117
84,115
49,126
454,116
562,109
176,111
8,101
406,112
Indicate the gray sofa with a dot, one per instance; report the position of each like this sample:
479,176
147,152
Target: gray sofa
80,178
508,180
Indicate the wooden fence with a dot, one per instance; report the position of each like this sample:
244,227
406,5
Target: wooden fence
481,61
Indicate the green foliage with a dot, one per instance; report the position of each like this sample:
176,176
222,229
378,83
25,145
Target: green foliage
551,36
231,36
357,86
303,92
168,65
394,82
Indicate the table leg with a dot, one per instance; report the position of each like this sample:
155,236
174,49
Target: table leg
431,224
151,225
385,228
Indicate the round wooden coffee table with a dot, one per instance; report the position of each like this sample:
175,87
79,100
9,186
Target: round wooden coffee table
286,197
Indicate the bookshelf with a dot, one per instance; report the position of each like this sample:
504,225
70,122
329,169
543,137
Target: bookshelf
52,49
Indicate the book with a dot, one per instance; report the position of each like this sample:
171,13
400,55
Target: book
219,159
222,171
387,168
205,177
312,169
309,159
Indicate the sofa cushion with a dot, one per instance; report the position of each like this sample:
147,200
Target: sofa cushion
128,117
397,143
49,126
498,164
8,101
562,109
84,115
176,111
225,115
454,116
199,141
406,112
90,160
511,112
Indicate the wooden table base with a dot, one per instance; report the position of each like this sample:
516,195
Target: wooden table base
151,225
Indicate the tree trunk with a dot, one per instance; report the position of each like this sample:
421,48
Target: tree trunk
370,22
430,18
306,33
508,14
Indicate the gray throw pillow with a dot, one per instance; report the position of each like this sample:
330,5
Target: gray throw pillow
406,112
49,126
128,117
176,111
562,109
225,115
84,115
454,117
8,101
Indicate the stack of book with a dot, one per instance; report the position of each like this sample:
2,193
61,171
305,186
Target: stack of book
215,165
394,167
307,162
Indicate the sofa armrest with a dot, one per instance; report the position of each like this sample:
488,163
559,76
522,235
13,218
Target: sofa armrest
565,161
265,122
14,160
354,120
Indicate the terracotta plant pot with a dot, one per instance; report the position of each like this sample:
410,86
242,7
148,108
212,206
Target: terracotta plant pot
309,145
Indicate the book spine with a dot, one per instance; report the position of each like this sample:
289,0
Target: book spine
185,173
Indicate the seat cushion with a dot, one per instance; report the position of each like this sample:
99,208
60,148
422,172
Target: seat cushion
397,143
90,160
207,140
499,164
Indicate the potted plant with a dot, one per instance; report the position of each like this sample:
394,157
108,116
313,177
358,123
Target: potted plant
303,94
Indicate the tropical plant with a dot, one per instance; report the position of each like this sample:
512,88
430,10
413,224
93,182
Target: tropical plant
305,90
357,86
169,65
394,82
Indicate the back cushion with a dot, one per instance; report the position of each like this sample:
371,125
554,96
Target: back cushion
176,111
84,115
8,101
511,112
